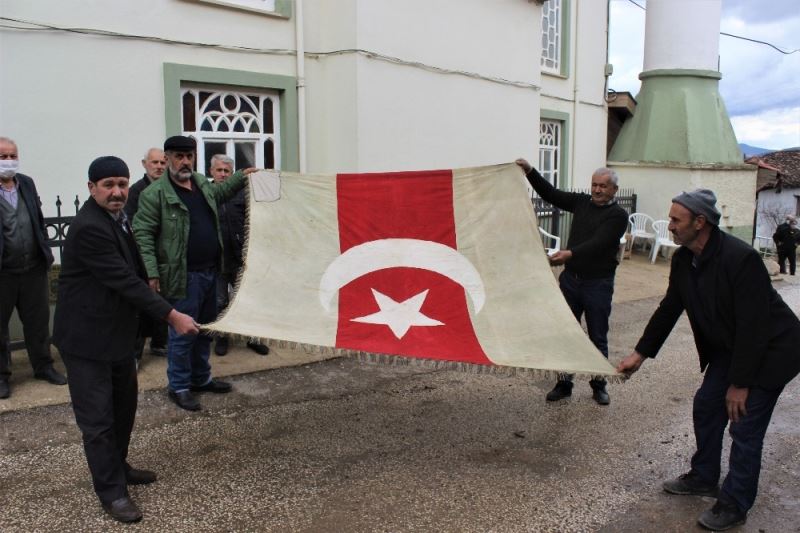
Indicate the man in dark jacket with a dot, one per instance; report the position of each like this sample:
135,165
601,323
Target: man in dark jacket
102,291
747,339
785,238
25,258
231,224
154,163
590,262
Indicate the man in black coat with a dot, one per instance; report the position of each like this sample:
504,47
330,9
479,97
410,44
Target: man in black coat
590,261
25,258
747,339
231,225
154,163
786,237
101,292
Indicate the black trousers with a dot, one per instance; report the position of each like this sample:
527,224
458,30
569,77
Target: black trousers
783,255
28,293
158,340
104,395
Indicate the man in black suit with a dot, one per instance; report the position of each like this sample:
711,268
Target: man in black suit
747,339
25,258
101,292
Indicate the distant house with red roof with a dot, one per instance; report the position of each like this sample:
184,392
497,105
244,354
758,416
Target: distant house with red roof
777,188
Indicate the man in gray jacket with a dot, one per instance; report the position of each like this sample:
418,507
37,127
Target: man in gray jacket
25,258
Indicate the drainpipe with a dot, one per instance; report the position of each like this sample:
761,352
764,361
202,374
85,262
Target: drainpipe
574,128
301,84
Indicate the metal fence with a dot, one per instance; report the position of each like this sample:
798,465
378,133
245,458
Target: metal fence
558,222
57,227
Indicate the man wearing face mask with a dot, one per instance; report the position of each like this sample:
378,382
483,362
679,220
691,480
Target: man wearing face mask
25,258
177,230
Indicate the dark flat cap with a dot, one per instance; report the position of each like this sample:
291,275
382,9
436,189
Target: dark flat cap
108,166
700,202
179,143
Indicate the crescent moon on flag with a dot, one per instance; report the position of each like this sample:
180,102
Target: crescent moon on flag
391,253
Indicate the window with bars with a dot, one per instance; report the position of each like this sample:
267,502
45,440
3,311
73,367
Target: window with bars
551,36
550,150
240,124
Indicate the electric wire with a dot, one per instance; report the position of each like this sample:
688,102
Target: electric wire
37,26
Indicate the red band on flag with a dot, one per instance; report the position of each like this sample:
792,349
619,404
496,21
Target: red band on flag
403,310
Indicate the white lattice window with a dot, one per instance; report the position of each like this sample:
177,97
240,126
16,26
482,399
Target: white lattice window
551,36
549,150
240,124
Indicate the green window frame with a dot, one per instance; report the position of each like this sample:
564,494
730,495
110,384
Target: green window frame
286,86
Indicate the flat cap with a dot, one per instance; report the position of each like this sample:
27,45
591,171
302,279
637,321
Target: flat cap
700,202
179,143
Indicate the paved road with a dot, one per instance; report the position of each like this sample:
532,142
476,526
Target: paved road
337,446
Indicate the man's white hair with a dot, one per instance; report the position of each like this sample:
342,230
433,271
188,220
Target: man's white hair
611,173
222,158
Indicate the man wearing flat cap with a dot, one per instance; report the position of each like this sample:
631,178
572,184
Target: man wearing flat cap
747,339
177,230
102,291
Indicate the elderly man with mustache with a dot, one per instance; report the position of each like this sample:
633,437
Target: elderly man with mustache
177,230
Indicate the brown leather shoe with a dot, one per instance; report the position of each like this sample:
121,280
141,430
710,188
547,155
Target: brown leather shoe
123,510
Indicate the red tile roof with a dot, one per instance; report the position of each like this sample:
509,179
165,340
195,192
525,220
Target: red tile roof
785,163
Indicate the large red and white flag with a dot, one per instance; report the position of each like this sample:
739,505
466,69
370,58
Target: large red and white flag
443,265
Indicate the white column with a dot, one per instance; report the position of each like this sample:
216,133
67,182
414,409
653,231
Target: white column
682,34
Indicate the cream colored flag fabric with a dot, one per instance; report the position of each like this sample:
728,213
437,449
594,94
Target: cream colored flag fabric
444,267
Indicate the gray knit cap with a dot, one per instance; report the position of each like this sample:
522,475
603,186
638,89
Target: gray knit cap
700,202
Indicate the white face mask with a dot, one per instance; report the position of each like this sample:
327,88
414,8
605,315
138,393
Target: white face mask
8,167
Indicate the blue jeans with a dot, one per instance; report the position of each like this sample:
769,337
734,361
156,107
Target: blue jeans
591,299
710,418
187,355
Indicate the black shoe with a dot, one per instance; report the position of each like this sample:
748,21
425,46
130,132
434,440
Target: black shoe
221,346
215,385
135,476
260,349
5,389
601,396
185,400
689,485
123,510
563,389
51,375
158,351
722,516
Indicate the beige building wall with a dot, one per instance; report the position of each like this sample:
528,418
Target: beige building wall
657,185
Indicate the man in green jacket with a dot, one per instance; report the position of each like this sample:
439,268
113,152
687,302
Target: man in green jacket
177,230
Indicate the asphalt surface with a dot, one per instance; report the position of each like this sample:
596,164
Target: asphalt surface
340,446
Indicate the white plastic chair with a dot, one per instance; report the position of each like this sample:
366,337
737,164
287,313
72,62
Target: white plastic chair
556,242
764,245
641,228
663,238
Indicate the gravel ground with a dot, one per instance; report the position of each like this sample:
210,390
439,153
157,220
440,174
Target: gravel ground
339,446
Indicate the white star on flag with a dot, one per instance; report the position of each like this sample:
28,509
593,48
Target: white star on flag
399,316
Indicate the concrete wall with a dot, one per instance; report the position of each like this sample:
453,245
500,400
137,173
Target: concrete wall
67,98
89,95
773,206
580,94
657,185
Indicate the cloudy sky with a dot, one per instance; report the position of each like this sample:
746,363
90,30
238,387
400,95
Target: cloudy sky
760,86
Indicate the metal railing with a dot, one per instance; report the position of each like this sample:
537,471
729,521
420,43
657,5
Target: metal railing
57,227
558,222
